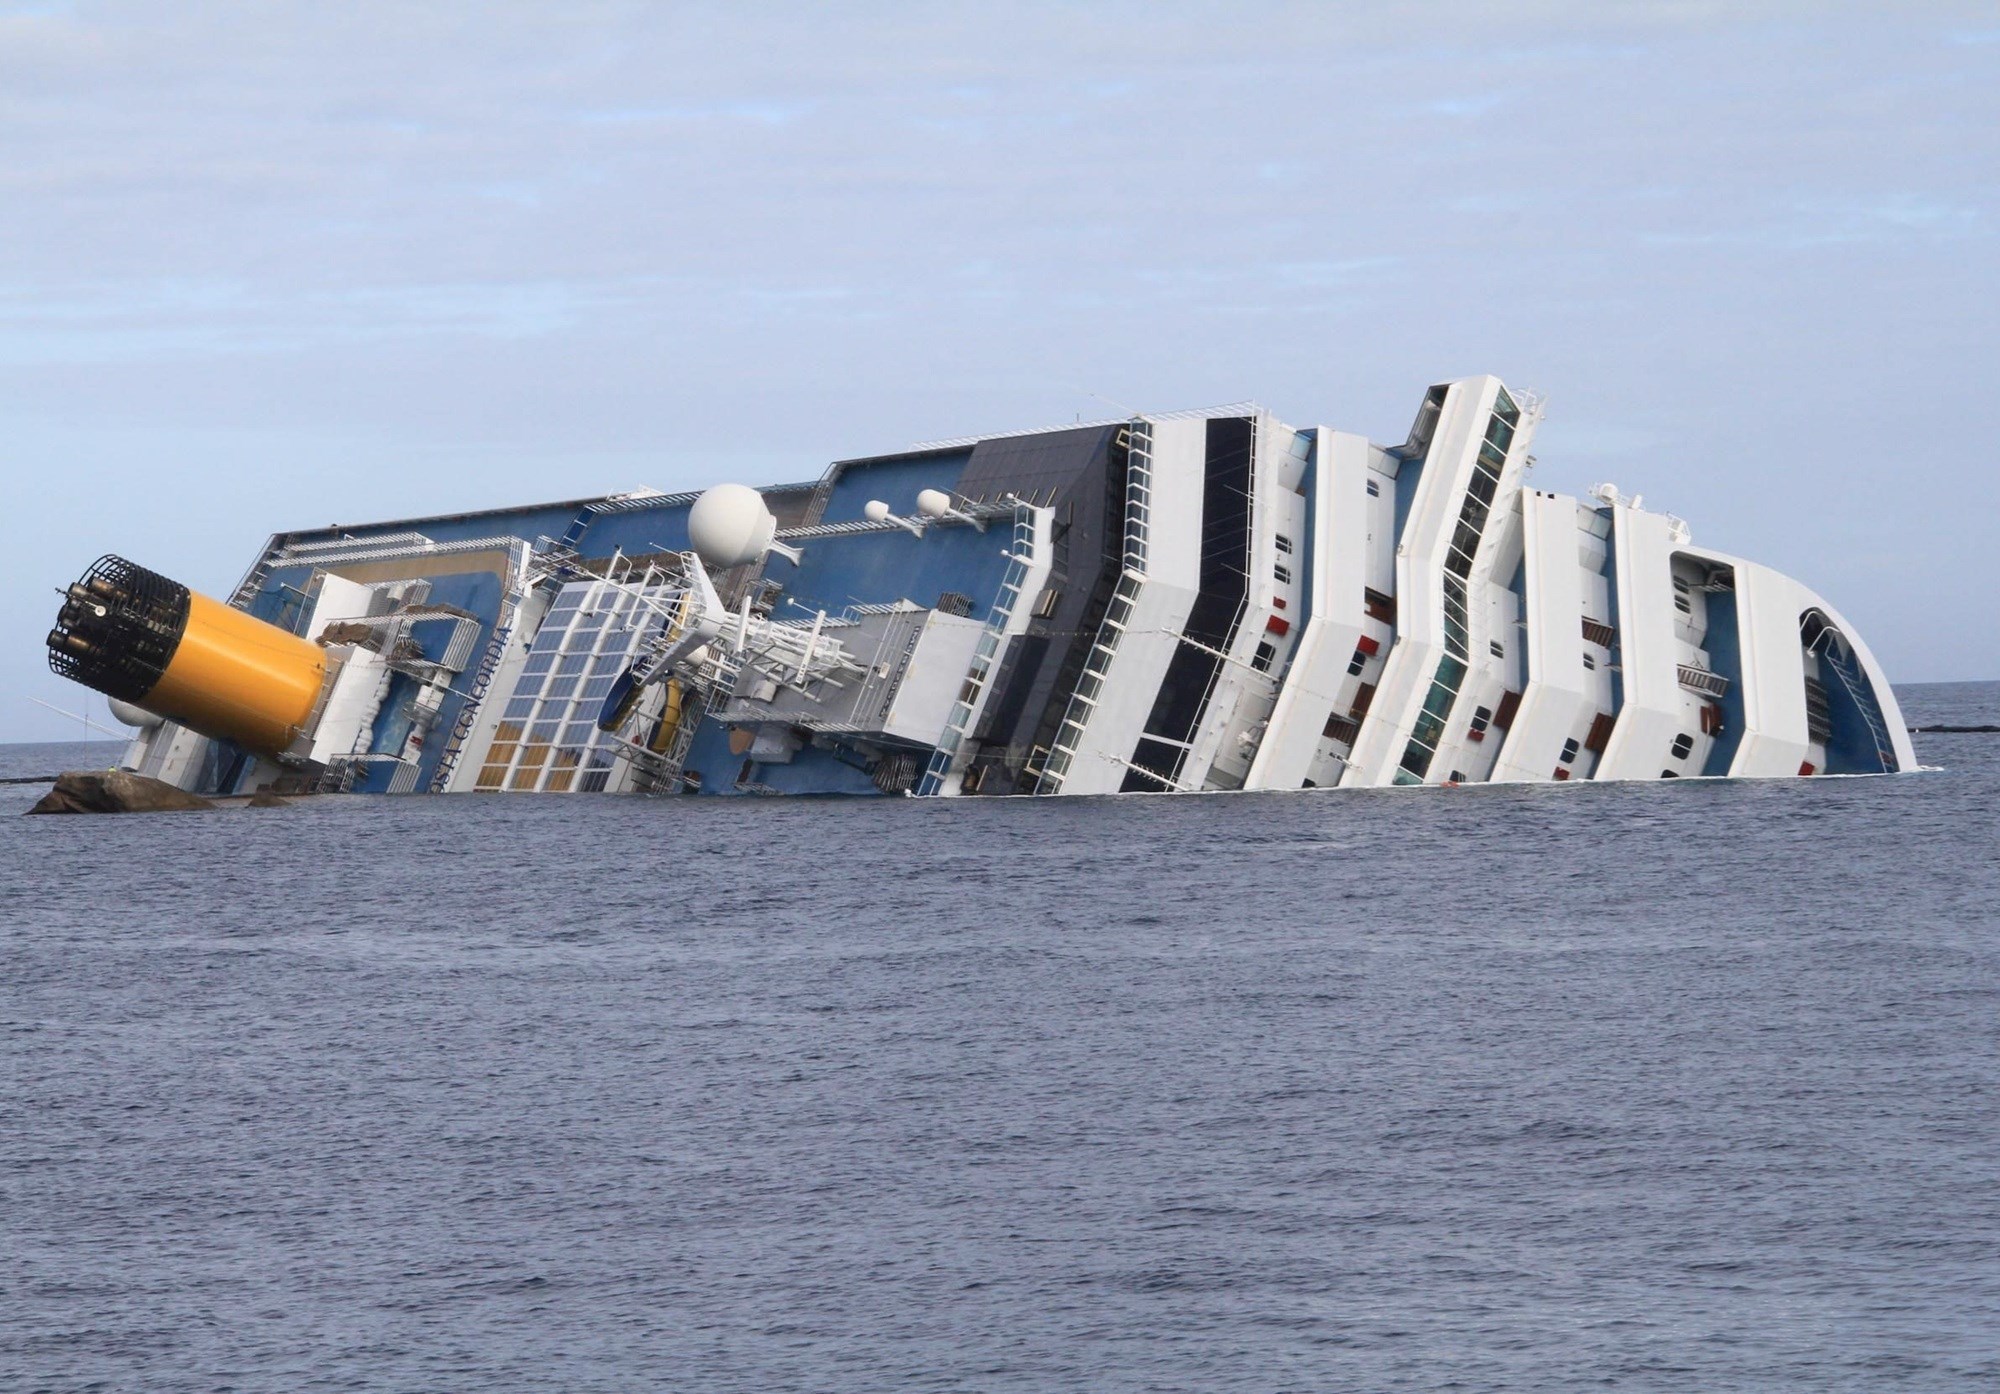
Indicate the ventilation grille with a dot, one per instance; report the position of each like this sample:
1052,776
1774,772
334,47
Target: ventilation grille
118,628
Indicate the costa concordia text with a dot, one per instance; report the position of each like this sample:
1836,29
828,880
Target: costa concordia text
1203,600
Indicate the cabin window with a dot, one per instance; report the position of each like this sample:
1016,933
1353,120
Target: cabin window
1360,662
1499,649
1284,542
1683,745
1374,490
1283,573
1681,604
1263,658
1590,662
1570,748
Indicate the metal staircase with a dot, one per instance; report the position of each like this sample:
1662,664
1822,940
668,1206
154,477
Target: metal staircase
1839,657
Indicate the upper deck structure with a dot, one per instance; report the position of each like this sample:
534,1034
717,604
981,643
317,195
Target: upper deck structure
1203,600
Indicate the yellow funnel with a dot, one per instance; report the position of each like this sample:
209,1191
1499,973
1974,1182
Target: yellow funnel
137,636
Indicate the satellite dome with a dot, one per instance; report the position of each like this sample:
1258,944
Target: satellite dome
135,716
934,503
729,525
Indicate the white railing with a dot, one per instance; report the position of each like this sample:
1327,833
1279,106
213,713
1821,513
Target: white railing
1701,680
1083,699
1020,556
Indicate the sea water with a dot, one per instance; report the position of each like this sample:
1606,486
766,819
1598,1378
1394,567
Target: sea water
1676,1086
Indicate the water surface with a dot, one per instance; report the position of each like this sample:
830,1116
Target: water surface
1653,1087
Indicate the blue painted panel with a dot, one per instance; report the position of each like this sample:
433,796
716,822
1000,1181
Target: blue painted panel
895,482
814,771
879,567
1308,558
1725,657
642,530
1850,749
710,757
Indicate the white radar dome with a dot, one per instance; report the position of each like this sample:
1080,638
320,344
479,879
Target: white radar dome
933,503
876,511
729,525
135,716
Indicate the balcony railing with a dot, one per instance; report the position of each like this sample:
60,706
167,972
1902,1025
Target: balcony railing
1701,680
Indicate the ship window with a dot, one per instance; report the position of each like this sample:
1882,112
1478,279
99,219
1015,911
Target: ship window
561,687
597,688
1360,662
1284,542
1681,604
1590,662
520,709
1263,658
539,662
1499,649
577,733
1283,573
573,663
543,731
609,663
1680,584
1570,748
1482,717
1374,490
1683,744
1668,774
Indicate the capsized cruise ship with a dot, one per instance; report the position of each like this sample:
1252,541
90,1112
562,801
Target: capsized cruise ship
1187,601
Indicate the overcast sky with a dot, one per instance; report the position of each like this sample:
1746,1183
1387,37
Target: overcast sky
279,265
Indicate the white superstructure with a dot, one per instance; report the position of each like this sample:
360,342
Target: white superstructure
1174,602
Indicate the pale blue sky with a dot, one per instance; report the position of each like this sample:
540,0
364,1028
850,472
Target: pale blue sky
268,266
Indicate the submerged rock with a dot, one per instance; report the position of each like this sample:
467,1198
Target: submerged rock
264,798
115,791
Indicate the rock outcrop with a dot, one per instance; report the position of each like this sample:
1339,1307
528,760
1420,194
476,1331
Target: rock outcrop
115,791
